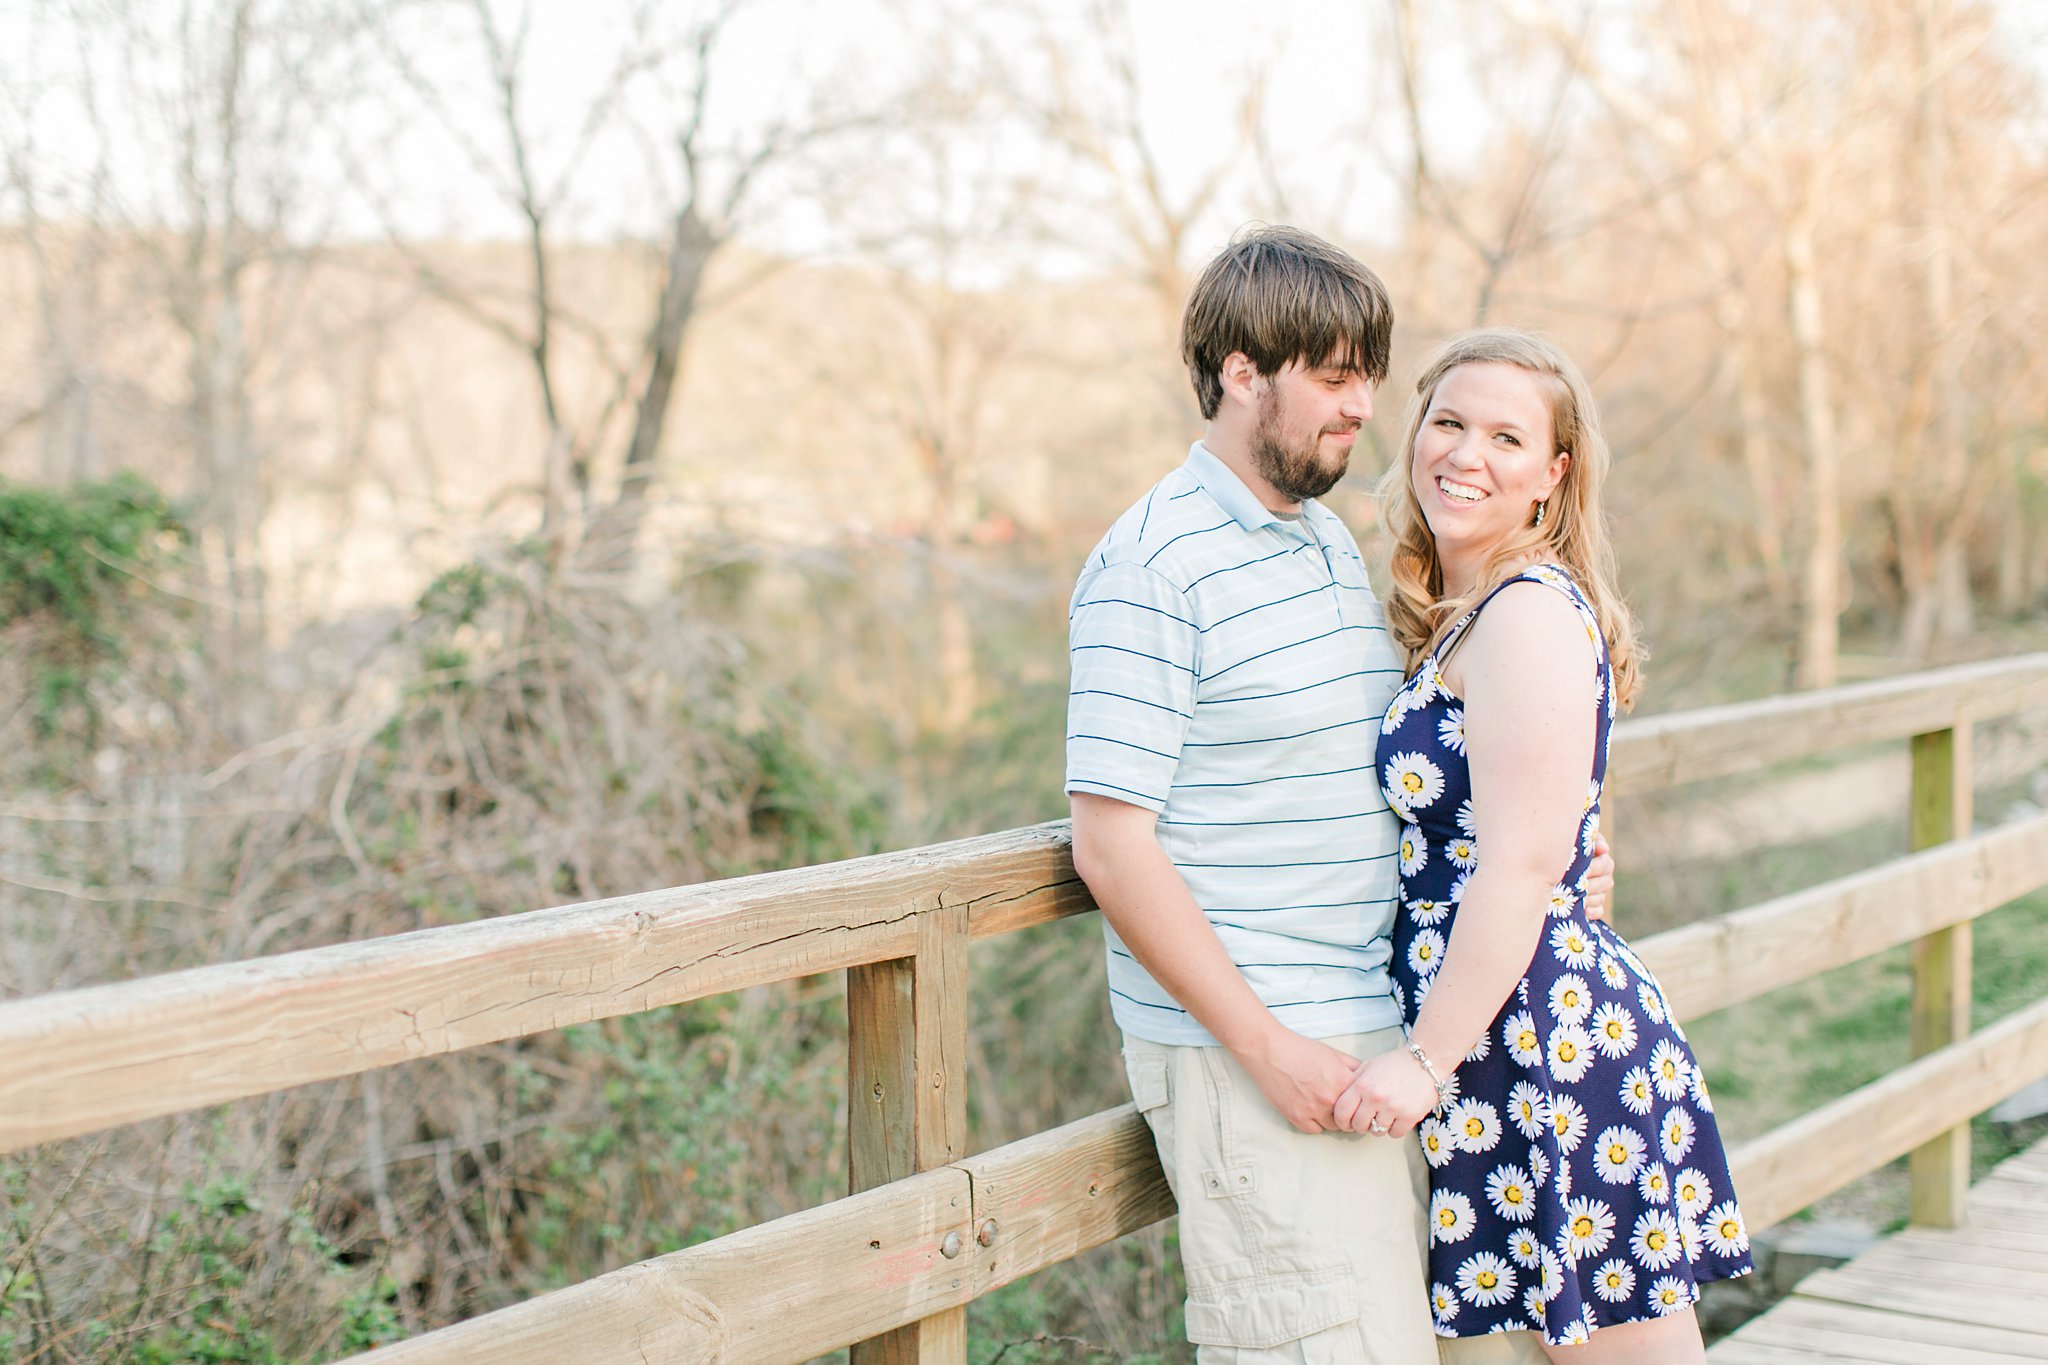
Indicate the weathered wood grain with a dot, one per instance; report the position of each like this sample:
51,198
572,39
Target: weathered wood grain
783,1291
1817,1330
907,1095
1717,741
880,1072
1972,1295
1791,1166
812,1282
1960,1276
1724,961
78,1061
1058,1193
1743,1352
1983,1253
1994,1304
1052,891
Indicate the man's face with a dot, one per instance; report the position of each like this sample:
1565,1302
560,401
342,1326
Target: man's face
1309,416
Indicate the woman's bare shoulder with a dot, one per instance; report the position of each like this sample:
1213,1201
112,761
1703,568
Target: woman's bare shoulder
1531,634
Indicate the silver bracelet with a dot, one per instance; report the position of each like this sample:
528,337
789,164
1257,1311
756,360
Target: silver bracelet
1443,1087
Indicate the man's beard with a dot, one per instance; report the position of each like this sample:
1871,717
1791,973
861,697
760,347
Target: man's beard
1296,473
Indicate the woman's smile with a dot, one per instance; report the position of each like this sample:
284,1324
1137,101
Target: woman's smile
1483,459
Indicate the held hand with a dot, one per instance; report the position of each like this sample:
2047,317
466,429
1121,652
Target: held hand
1300,1077
1600,881
1390,1095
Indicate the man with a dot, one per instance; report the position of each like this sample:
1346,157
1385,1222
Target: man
1230,671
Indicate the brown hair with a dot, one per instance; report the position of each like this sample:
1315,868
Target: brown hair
1573,532
1279,294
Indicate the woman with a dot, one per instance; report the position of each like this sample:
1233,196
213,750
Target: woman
1578,1185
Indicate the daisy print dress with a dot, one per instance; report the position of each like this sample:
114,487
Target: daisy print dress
1576,1176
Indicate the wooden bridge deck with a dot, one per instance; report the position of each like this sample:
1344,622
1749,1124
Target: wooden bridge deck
1971,1295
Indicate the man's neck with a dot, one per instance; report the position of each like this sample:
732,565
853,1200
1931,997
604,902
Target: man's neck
1234,448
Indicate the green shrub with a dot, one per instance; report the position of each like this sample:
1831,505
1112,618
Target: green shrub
73,563
74,552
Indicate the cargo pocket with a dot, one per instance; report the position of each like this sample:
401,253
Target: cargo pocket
1150,1086
1260,1311
1151,1077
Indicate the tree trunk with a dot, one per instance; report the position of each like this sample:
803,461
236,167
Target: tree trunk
1753,412
208,280
1955,605
948,518
2013,586
614,542
67,302
1933,556
1955,615
960,690
690,250
230,484
1821,605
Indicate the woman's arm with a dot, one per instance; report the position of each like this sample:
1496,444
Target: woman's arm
1527,674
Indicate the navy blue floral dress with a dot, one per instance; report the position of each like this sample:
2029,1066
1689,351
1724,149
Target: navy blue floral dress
1576,1177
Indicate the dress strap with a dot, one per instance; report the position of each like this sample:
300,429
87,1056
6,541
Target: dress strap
1452,637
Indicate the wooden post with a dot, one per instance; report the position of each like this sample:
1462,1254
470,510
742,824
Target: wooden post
1941,969
907,1096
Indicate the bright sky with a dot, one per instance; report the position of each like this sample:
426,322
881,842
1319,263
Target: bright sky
409,168
1192,58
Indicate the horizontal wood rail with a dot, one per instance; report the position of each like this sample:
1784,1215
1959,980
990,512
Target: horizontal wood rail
757,1295
1720,741
1735,957
889,1269
79,1061
1817,1153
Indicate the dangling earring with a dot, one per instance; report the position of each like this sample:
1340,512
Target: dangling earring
1539,515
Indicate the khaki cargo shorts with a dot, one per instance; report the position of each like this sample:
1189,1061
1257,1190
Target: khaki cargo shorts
1303,1248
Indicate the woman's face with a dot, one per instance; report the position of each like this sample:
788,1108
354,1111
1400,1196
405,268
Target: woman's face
1484,457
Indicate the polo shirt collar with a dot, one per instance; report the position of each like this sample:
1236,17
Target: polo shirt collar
1222,484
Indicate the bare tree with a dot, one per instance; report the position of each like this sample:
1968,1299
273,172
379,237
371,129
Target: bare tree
186,207
955,234
1938,492
1696,115
1081,90
1441,210
1089,100
1820,629
68,256
660,94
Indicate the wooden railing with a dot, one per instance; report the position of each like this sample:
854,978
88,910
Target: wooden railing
929,1228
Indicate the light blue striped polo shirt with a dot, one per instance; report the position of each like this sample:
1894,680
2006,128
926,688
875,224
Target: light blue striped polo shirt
1230,669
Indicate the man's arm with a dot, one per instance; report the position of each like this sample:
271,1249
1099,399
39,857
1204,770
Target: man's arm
1141,893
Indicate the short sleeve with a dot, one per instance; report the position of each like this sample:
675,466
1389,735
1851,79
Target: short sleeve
1133,646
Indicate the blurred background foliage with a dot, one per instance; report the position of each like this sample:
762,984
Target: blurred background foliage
462,456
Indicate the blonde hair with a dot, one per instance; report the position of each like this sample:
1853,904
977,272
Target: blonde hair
1573,532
